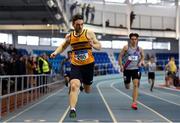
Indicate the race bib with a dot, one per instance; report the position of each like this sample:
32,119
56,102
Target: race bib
133,58
81,55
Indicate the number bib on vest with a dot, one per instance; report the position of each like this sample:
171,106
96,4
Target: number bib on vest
81,55
133,58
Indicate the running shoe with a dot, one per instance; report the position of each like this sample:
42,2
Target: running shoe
151,90
134,106
72,114
66,82
81,88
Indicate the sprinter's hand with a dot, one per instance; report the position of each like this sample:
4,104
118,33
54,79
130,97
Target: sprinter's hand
121,68
141,63
53,55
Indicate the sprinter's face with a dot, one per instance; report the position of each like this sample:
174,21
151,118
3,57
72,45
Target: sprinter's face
78,25
134,40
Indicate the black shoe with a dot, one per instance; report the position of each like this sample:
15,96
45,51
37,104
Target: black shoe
151,90
72,114
66,84
81,88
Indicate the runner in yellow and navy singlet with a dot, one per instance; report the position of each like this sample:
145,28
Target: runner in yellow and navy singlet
82,61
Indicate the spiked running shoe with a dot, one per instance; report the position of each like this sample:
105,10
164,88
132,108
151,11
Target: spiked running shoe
72,114
134,106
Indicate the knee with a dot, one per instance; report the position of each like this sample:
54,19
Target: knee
74,87
135,85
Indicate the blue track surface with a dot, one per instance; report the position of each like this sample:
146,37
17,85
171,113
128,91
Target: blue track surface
108,102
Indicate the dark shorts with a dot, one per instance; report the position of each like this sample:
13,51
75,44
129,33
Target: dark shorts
83,73
151,75
128,74
171,74
67,74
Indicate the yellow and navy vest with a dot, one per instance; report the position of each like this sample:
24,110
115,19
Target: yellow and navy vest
81,49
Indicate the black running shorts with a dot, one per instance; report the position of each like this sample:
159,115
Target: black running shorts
84,73
128,74
151,75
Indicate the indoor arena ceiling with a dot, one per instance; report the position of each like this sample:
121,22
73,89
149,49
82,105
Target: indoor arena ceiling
28,12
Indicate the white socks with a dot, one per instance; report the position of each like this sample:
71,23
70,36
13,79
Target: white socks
73,109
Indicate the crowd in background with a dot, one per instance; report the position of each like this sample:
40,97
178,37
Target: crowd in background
86,10
13,62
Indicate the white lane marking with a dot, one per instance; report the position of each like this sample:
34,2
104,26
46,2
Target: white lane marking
156,90
158,86
88,121
169,93
66,111
161,91
161,88
159,98
64,115
106,104
141,104
31,106
138,121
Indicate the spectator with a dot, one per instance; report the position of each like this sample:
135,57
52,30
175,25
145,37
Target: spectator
83,9
92,14
73,6
78,9
107,23
132,17
87,13
2,72
43,68
30,70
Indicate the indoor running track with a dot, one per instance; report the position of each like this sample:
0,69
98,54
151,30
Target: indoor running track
108,102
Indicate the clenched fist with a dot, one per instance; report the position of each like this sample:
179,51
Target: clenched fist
53,55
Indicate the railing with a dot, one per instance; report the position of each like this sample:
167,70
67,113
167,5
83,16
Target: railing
18,90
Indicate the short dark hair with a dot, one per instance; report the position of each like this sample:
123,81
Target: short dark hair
76,17
69,51
133,34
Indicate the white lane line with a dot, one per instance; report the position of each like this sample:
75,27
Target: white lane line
158,86
141,103
161,88
66,111
64,115
159,98
31,106
106,104
156,90
169,93
159,91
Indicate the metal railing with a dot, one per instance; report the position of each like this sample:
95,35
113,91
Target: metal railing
18,90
